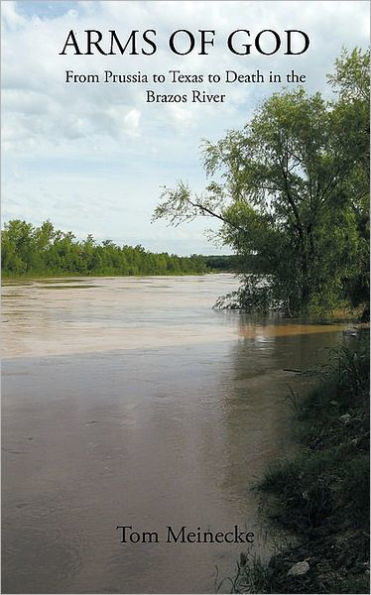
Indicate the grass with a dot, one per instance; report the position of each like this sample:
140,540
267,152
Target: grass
321,495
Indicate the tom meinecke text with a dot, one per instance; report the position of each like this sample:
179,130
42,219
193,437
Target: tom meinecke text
184,535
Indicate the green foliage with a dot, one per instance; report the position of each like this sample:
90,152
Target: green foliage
45,251
254,295
223,263
350,121
291,189
351,74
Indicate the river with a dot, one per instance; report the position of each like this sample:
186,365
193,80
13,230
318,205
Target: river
130,401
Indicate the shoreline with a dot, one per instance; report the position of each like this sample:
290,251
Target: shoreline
320,495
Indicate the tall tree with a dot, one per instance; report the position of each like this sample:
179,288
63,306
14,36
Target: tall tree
351,125
286,190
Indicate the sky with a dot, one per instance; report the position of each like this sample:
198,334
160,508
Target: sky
94,157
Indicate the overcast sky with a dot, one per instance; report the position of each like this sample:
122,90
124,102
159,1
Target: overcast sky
93,157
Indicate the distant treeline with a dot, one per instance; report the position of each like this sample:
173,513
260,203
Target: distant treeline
44,250
223,263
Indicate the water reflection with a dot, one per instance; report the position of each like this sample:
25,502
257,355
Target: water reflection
255,399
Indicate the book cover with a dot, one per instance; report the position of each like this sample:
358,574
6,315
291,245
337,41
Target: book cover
185,196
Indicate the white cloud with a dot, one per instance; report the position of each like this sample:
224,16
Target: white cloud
11,19
132,120
78,137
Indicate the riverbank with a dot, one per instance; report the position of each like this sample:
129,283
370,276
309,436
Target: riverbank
321,495
8,279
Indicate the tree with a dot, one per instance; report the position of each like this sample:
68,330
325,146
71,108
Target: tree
45,250
287,193
17,246
351,121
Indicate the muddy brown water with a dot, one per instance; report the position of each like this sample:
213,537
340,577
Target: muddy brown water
130,401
